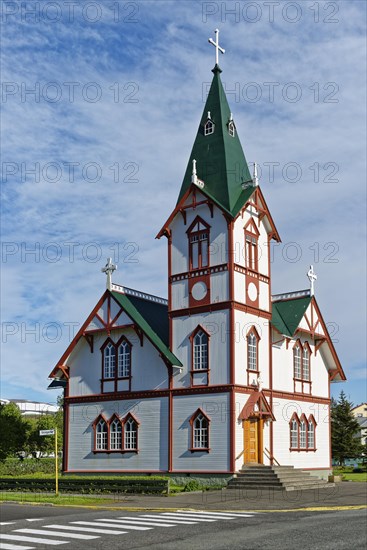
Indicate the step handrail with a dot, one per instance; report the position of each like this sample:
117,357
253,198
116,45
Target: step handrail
239,456
268,455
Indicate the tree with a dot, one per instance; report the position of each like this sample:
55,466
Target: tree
12,430
44,444
344,429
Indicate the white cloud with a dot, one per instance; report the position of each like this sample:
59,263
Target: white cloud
163,61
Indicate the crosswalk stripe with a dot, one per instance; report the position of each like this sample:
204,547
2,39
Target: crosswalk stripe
189,521
181,516
112,523
143,521
208,512
7,522
5,546
56,533
32,539
203,515
88,529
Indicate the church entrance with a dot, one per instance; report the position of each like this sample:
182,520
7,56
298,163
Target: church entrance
253,440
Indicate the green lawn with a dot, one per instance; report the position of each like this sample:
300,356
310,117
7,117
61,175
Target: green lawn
355,477
349,475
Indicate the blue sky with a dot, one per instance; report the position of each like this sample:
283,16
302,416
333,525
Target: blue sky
93,158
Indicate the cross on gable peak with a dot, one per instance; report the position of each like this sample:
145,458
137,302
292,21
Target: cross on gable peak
108,269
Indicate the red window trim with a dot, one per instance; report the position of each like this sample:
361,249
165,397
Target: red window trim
108,423
190,233
194,371
307,421
258,338
305,383
116,378
193,449
251,231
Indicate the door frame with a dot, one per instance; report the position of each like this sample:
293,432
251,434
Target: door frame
260,439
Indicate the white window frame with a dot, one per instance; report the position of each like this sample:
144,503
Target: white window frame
231,128
297,362
109,361
252,352
200,352
306,364
124,360
311,435
200,436
115,435
130,435
101,435
302,435
209,127
294,434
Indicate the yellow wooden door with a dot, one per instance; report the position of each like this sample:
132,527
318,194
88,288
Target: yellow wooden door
251,440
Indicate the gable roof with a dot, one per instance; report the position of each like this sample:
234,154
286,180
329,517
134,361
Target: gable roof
221,162
259,399
287,314
150,316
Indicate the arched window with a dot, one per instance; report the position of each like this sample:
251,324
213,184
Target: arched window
311,429
252,351
115,435
303,434
200,343
209,126
124,359
200,431
306,364
101,435
294,433
231,128
297,368
251,246
130,434
198,234
109,361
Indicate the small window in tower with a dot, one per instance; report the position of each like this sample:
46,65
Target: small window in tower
231,128
209,127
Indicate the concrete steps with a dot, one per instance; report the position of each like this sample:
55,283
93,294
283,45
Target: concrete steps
276,478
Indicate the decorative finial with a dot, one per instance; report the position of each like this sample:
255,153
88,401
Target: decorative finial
255,179
312,277
217,47
194,177
109,268
209,116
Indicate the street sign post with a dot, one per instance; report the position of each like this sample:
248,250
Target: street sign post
53,432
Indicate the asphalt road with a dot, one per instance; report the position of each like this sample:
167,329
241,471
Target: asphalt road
327,530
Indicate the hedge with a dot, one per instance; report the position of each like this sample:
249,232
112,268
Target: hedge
122,485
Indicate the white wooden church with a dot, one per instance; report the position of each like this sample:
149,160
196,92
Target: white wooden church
221,374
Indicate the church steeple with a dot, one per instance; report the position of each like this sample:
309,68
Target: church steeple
220,160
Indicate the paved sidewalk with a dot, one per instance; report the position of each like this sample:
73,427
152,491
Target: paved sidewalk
342,494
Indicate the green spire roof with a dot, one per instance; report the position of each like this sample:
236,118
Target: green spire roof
220,161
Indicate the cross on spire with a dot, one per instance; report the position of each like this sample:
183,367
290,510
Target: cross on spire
255,178
312,277
217,47
109,268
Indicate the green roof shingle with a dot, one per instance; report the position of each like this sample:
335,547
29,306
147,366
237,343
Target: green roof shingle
152,318
221,162
287,314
